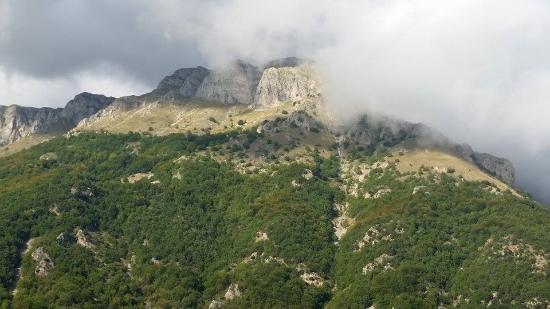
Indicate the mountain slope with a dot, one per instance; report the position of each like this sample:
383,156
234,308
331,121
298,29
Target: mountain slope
242,219
235,188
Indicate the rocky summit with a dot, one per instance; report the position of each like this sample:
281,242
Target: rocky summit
235,188
282,80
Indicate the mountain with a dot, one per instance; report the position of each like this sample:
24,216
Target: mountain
288,79
190,98
17,122
236,189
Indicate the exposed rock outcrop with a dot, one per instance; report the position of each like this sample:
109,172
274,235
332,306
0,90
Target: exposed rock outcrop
17,122
283,84
82,239
232,292
82,192
184,82
139,176
44,262
312,279
379,133
382,260
499,167
287,79
50,156
343,221
84,105
233,85
261,236
299,119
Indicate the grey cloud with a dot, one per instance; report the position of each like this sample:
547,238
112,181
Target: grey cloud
51,39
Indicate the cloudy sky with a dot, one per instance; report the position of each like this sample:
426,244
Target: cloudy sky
479,71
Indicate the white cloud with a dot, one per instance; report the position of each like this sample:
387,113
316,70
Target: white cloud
30,91
248,29
110,81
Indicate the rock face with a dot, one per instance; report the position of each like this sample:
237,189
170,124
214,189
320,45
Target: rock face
284,84
501,168
233,85
17,122
184,82
282,80
84,105
298,119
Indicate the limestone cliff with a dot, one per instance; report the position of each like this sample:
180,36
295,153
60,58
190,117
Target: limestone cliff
183,82
282,84
17,122
233,85
500,167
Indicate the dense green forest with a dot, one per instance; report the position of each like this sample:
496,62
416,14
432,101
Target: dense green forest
135,220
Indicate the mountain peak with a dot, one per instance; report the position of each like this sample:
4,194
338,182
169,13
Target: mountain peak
84,105
183,82
240,83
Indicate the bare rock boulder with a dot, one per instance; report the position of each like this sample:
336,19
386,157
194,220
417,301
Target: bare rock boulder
44,262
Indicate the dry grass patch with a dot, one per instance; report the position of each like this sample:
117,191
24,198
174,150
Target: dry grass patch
195,116
441,162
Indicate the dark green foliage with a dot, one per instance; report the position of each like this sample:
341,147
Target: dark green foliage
196,227
442,252
182,242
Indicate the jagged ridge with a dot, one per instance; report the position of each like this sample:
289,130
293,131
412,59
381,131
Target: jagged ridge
17,122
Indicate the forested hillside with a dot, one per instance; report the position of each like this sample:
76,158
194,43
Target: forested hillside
189,221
